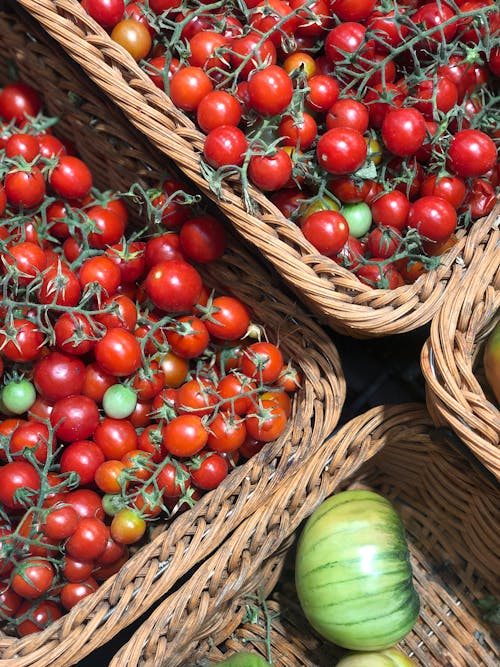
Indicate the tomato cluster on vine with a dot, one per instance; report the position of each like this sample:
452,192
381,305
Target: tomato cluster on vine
129,387
372,125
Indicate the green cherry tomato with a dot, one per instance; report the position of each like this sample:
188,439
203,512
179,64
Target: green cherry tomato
359,218
112,503
18,397
119,401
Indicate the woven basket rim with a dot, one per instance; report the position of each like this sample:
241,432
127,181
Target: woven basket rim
149,574
332,291
455,398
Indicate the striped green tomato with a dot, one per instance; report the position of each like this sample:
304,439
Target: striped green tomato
353,572
389,658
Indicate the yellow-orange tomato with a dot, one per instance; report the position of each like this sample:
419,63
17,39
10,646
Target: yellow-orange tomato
300,60
134,37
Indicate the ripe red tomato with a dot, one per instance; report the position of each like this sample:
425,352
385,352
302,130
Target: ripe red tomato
17,101
209,472
379,276
266,422
451,188
323,93
34,436
270,90
86,502
348,113
107,13
74,418
229,318
21,340
184,436
262,361
250,50
434,217
327,231
57,375
202,47
71,178
89,540
391,208
115,437
118,352
32,578
341,150
403,131
270,172
38,618
24,188
471,153
61,522
227,432
15,476
82,457
73,592
22,144
173,286
60,286
218,108
188,87
225,145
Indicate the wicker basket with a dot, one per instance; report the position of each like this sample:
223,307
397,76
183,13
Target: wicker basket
118,158
331,291
457,396
451,516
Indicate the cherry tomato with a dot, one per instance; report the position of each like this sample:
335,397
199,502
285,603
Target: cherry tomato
173,286
262,361
327,231
434,217
184,436
133,36
74,418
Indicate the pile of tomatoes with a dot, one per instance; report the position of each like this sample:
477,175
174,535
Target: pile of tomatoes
128,387
373,125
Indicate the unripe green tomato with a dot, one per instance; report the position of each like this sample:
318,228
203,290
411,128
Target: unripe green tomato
18,397
119,401
359,218
245,659
112,503
391,657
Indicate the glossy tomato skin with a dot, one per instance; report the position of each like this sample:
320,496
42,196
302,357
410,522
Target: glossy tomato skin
173,286
341,150
471,153
19,100
89,539
82,457
184,436
188,87
40,616
58,375
403,131
218,108
270,172
270,90
74,418
225,145
262,361
115,437
434,217
71,178
327,231
210,472
118,352
134,36
24,189
14,476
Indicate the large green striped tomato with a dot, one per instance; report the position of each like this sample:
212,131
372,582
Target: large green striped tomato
389,658
353,573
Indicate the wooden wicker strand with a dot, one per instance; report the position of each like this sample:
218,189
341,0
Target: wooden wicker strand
452,357
209,607
118,157
329,290
451,516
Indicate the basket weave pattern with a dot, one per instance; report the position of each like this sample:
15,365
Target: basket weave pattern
451,516
118,158
331,291
452,358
